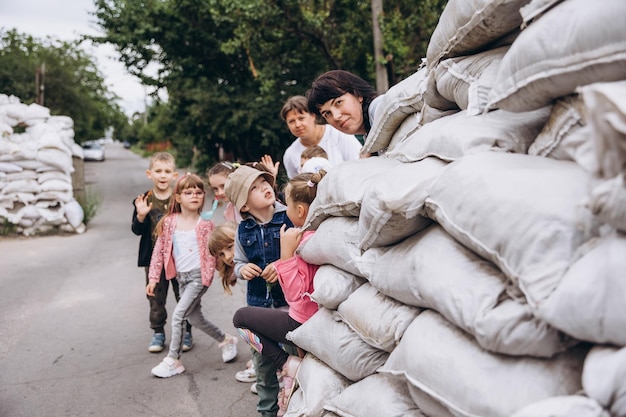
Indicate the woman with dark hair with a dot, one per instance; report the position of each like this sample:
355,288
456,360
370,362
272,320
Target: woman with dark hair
345,101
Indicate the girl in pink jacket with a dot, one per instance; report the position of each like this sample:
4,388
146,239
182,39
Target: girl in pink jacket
182,250
265,328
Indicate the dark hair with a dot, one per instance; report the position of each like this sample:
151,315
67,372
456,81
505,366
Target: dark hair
295,103
223,168
335,83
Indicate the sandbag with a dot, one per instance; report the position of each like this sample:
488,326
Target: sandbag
575,43
391,208
521,212
338,196
564,406
444,362
604,378
335,242
331,340
378,395
432,270
400,101
334,285
385,321
317,384
470,26
457,135
566,135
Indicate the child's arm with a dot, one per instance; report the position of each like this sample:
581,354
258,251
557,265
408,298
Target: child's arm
141,210
244,269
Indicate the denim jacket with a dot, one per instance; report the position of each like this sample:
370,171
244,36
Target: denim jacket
260,245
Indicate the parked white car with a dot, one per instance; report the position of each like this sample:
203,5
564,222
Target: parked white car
93,151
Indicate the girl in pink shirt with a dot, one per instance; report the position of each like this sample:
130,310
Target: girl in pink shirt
265,328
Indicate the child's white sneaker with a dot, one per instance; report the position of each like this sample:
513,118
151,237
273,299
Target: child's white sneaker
168,367
229,348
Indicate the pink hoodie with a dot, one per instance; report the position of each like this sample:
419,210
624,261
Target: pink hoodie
296,279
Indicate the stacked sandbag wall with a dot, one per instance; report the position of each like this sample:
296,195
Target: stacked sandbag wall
36,166
475,267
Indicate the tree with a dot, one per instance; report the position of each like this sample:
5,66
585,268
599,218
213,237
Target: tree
228,65
73,85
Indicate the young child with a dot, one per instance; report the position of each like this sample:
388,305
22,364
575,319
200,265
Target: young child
216,176
314,159
148,209
182,250
265,329
257,246
314,151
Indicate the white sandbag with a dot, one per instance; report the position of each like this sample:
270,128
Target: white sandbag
74,213
335,242
61,196
341,191
8,167
333,286
63,122
57,185
318,383
406,128
465,81
444,362
605,105
36,111
604,378
385,321
393,204
378,395
535,9
457,135
607,201
52,215
521,212
331,340
469,26
16,111
5,128
53,175
430,114
566,135
426,403
53,140
432,270
30,162
564,406
56,158
575,43
400,101
26,174
23,186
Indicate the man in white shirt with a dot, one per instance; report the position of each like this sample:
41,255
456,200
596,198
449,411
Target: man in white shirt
302,124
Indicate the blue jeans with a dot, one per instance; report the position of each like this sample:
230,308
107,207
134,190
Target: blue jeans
189,307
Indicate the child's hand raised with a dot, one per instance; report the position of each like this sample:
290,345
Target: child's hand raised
289,241
250,270
142,206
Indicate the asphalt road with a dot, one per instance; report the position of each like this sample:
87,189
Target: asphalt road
74,325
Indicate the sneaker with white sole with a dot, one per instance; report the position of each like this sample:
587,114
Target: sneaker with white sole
229,348
158,343
168,367
247,375
253,389
187,342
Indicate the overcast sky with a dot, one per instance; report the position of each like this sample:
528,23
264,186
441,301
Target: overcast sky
66,20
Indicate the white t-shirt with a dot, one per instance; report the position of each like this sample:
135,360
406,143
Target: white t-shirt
339,147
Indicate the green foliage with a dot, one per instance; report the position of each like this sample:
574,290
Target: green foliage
228,65
7,228
73,84
90,203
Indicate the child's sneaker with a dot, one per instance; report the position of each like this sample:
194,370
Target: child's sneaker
253,389
187,342
168,367
158,343
247,375
229,348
